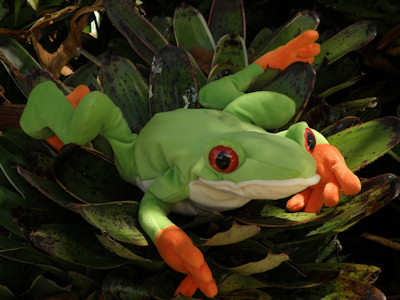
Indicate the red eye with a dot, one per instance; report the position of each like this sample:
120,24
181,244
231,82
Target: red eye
310,140
223,159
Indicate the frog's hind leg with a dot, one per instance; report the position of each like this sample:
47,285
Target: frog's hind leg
48,112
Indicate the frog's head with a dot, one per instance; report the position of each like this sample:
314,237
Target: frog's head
242,166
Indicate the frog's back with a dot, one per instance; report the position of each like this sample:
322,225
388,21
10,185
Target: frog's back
180,136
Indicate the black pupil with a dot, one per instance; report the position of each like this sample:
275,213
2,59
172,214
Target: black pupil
223,160
310,141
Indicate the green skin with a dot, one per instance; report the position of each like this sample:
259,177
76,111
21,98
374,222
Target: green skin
171,151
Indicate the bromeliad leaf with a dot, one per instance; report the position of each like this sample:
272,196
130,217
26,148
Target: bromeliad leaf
118,219
229,57
173,83
143,37
362,144
191,30
349,39
88,176
123,83
75,244
227,17
235,234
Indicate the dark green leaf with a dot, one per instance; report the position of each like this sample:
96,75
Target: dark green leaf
74,244
5,293
25,71
235,234
349,39
44,287
191,30
89,177
376,193
123,83
227,17
362,144
141,34
229,57
296,82
87,75
117,219
173,83
258,43
303,21
340,125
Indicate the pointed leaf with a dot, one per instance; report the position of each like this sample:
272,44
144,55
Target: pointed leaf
44,287
74,244
362,144
117,219
270,262
303,21
89,177
349,39
25,71
259,41
118,249
227,17
87,75
236,281
191,30
376,193
173,84
235,234
143,37
123,83
229,57
48,188
340,125
296,82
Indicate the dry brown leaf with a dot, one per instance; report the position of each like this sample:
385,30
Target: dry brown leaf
203,58
69,48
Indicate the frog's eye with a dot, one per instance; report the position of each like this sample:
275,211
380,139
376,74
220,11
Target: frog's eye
310,140
223,159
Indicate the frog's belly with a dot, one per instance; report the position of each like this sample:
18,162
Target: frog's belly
206,195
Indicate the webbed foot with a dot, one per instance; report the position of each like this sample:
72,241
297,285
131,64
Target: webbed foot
301,49
335,175
179,252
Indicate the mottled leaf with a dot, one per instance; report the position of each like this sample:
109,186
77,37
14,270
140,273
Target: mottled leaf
296,82
87,75
259,41
25,71
118,249
191,30
235,234
376,193
117,219
172,82
362,144
227,17
236,281
229,57
74,244
303,21
123,83
143,37
44,287
87,176
270,262
48,188
340,125
349,39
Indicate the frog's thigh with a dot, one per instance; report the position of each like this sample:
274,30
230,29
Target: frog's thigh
266,109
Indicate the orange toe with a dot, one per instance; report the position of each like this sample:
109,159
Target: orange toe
298,201
331,194
304,39
315,202
187,287
209,289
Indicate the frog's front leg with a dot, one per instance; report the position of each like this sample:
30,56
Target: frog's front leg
175,247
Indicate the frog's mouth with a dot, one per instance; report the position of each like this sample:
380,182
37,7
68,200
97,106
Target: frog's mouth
226,195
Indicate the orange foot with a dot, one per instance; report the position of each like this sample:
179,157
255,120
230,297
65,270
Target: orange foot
334,175
301,49
178,251
74,98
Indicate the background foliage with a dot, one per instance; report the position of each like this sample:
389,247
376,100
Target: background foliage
64,234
